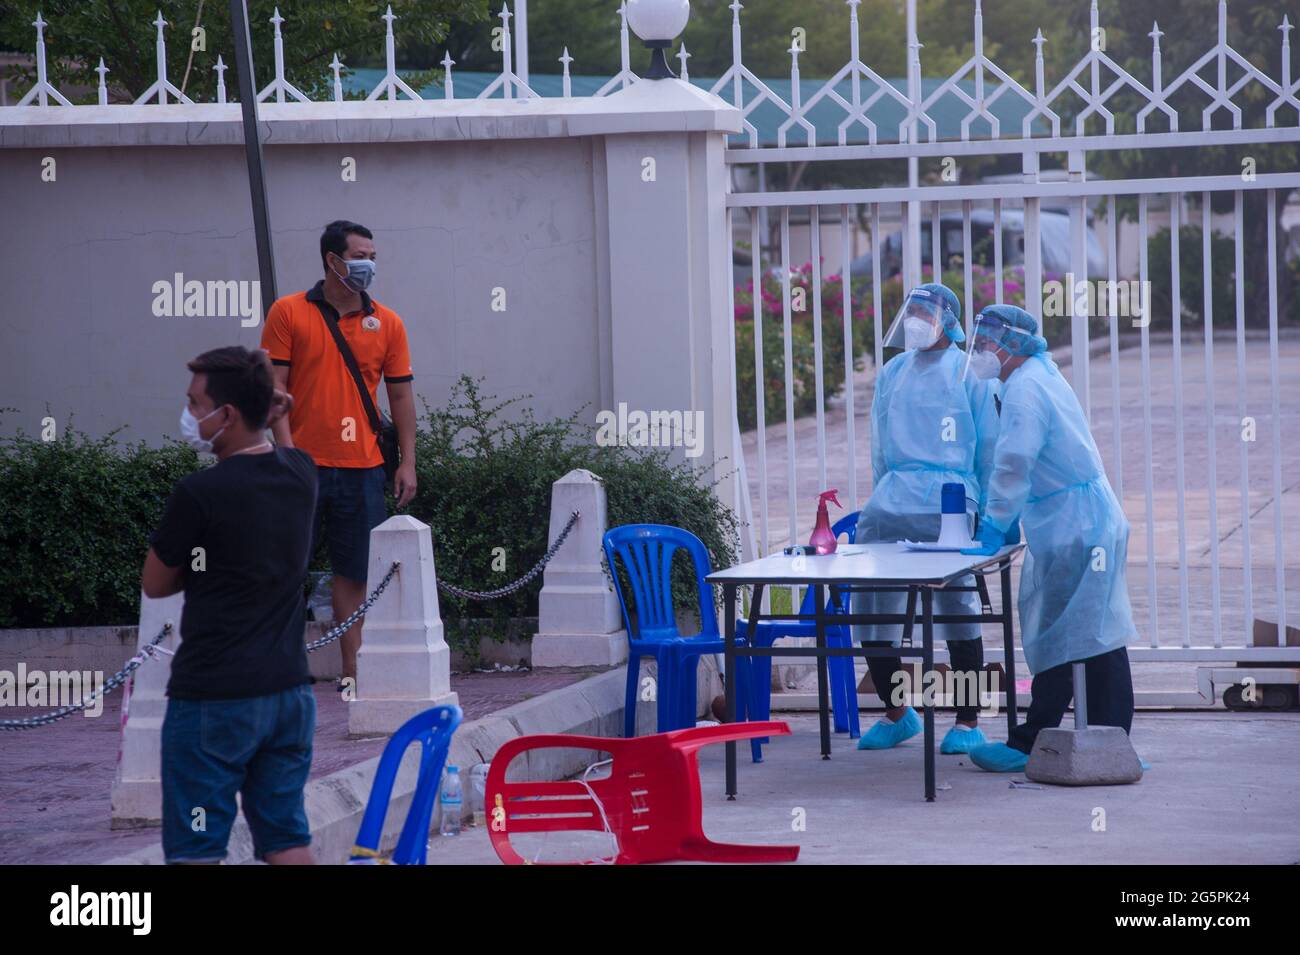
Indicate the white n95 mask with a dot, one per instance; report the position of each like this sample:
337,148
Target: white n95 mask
190,430
985,364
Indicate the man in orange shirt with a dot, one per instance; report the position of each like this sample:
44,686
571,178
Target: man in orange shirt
329,420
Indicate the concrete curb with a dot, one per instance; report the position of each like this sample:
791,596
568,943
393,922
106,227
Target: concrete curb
335,803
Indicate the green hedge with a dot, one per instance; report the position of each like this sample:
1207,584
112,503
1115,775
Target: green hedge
76,512
75,518
485,470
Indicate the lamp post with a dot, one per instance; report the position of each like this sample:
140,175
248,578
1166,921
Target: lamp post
253,150
657,23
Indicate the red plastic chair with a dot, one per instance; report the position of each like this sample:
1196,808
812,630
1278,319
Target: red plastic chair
651,798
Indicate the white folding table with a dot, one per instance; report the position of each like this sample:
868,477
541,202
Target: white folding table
868,567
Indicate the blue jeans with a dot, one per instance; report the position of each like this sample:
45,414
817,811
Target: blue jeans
349,505
259,747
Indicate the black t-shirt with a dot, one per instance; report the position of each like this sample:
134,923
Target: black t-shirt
242,627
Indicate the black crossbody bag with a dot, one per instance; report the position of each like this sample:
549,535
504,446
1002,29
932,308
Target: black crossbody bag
382,425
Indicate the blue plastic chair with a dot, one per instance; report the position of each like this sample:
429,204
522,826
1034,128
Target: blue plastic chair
433,730
843,682
647,553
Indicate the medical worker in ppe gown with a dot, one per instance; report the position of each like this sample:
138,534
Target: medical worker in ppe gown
929,426
1047,473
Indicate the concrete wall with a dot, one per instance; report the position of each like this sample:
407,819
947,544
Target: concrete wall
451,222
614,286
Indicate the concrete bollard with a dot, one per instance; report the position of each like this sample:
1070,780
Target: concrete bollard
404,666
137,784
1086,755
579,621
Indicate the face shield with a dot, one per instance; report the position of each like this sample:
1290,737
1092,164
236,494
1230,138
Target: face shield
993,343
919,323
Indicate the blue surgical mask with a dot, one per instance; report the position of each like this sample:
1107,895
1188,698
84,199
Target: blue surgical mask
361,272
190,430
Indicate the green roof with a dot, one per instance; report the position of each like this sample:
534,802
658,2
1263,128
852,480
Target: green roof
825,116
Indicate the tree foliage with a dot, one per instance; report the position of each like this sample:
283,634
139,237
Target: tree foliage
123,32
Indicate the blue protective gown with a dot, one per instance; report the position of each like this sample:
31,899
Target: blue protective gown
928,428
1047,471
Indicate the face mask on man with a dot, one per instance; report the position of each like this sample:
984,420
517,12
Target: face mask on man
190,430
919,333
361,272
985,364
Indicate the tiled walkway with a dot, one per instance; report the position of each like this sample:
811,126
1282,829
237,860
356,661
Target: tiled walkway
55,781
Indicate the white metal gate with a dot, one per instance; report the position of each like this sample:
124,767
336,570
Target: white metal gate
1208,548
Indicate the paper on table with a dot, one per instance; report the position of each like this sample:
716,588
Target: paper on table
936,546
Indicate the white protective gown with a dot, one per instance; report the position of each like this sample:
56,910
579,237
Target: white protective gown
928,428
1047,471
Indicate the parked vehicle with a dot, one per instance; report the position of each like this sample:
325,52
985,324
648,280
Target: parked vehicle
1054,238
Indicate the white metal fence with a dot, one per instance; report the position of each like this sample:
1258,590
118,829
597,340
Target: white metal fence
1208,551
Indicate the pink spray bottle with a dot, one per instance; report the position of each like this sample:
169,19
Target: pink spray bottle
823,538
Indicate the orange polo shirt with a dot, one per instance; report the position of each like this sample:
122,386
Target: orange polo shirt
328,420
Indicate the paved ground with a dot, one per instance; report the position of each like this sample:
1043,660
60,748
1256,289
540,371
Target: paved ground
55,781
1263,499
1222,790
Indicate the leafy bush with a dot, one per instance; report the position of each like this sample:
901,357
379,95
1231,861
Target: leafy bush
76,513
75,518
803,354
485,488
1191,278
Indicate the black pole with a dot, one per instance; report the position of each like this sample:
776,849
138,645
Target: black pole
253,150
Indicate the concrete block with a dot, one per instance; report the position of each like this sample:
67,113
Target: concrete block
136,797
579,621
580,649
1093,756
404,666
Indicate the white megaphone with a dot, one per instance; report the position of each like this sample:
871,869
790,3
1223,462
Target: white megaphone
954,529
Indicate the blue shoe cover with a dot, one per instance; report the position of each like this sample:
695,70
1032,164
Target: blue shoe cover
1145,764
999,758
888,735
959,741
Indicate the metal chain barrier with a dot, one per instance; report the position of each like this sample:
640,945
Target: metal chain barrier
346,625
523,581
111,684
153,648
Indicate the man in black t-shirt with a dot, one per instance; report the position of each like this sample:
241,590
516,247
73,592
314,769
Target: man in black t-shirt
236,538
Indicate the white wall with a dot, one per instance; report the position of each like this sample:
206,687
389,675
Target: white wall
463,197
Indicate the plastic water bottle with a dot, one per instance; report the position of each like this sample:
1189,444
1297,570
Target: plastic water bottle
451,798
478,793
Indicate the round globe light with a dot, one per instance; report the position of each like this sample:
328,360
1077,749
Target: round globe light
658,19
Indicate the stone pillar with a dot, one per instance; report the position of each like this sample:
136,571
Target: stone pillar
579,621
137,785
404,666
670,262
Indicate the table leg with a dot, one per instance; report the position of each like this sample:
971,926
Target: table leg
1008,645
910,612
823,708
729,656
927,650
